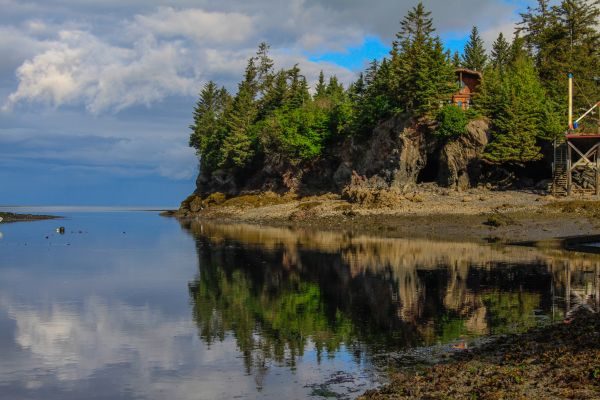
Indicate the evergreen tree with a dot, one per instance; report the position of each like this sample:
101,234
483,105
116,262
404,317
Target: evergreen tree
520,113
500,52
334,88
378,100
474,57
298,91
565,38
207,129
517,49
422,73
321,86
264,68
238,145
371,72
456,60
276,95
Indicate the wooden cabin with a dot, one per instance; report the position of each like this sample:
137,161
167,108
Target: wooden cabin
468,82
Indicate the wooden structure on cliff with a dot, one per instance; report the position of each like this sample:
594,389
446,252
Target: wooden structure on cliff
468,81
576,167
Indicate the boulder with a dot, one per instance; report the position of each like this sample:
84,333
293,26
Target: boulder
460,158
396,152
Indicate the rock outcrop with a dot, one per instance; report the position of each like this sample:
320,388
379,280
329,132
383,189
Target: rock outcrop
460,159
399,154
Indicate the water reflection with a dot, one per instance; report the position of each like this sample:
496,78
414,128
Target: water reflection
276,290
220,312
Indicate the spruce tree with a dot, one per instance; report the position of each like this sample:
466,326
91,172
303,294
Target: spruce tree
264,67
565,38
321,86
238,145
422,73
299,94
276,95
500,52
207,129
456,60
520,113
474,57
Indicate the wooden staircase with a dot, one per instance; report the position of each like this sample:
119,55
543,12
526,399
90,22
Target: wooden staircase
559,180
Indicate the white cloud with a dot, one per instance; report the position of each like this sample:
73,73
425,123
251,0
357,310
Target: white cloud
80,68
166,53
204,27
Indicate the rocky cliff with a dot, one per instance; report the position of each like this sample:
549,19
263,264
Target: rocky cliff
398,155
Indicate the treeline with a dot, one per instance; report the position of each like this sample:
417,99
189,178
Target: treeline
275,117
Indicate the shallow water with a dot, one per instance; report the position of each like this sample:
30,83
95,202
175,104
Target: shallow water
132,305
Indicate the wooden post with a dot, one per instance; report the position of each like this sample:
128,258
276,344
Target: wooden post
568,290
569,180
570,101
597,171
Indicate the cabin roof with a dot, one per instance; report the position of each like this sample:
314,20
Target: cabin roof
468,71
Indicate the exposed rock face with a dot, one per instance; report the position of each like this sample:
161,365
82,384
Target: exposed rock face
393,157
218,181
460,159
396,156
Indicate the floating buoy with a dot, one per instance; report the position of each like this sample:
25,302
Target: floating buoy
60,230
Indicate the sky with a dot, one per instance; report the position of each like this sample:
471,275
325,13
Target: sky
96,96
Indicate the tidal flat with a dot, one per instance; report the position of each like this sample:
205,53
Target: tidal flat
167,308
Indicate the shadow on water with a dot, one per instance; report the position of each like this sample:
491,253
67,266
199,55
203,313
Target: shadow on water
278,291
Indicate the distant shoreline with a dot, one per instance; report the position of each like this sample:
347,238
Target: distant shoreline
8,217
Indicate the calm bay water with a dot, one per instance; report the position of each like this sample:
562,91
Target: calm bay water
130,305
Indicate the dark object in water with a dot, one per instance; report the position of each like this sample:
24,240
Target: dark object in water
61,230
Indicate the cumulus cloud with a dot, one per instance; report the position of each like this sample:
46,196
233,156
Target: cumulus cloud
79,67
209,28
167,53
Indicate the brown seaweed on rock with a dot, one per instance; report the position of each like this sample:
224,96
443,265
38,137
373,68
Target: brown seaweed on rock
556,362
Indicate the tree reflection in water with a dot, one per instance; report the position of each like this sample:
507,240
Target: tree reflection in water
280,292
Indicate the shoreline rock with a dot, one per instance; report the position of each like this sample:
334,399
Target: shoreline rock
558,361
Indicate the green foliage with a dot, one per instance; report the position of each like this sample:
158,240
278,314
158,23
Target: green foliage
475,57
452,122
565,38
500,52
520,112
421,71
297,134
208,127
456,60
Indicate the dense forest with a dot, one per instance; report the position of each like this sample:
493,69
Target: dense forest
277,117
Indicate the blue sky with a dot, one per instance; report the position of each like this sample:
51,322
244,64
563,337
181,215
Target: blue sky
96,96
